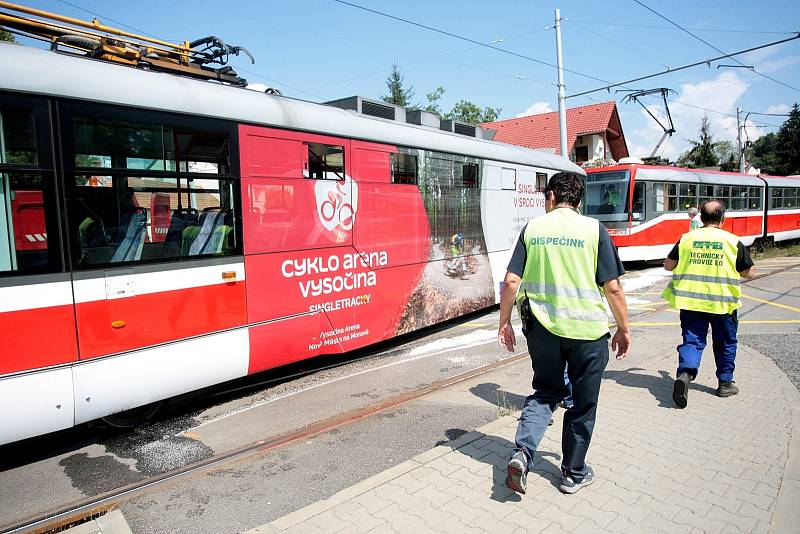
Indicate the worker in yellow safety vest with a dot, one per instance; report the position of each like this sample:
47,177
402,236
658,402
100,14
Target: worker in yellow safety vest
562,267
706,265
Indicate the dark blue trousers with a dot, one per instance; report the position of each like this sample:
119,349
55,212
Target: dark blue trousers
585,362
694,328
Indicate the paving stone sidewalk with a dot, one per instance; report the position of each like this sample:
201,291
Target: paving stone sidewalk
720,465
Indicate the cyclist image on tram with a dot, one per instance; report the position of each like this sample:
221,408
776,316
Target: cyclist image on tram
457,264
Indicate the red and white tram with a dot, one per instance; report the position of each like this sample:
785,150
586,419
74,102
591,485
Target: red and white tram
160,234
645,208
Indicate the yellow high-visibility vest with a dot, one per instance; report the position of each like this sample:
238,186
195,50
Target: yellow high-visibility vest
706,279
559,276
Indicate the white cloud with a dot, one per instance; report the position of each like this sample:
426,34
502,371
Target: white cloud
779,108
536,108
775,65
720,94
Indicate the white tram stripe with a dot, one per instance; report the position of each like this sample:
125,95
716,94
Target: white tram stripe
95,289
28,297
30,238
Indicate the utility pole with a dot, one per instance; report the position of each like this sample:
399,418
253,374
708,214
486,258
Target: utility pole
562,92
739,140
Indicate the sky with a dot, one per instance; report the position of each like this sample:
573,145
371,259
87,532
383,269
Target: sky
322,50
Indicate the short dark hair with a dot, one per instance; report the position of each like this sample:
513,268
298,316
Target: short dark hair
712,211
567,187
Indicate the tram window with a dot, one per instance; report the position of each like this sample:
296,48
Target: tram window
508,179
29,241
723,192
122,219
24,242
687,196
659,198
790,197
738,198
469,175
776,198
638,211
754,197
325,162
17,137
404,168
704,192
118,144
672,197
541,181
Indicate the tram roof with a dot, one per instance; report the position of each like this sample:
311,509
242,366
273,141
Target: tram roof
681,174
43,72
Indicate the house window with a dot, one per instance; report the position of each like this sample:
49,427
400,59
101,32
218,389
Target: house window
581,154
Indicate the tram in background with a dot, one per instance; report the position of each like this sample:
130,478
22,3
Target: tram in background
160,234
645,208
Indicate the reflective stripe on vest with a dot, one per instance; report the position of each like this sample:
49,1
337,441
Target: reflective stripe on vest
705,278
559,275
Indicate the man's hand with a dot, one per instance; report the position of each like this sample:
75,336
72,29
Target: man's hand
621,342
506,337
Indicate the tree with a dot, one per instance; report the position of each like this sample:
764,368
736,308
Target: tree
433,100
704,151
466,111
727,156
787,145
398,93
6,36
762,154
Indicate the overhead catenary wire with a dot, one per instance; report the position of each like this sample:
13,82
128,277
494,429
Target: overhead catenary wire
711,45
684,67
467,39
653,27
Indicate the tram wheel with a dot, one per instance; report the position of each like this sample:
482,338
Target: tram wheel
133,417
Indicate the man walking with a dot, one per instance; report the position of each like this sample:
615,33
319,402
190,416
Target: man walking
555,273
706,265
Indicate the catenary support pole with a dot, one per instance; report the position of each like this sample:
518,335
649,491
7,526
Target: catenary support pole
562,93
739,140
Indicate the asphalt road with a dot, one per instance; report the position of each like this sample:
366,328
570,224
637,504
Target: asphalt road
44,473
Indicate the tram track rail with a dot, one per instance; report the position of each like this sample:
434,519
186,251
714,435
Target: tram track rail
86,509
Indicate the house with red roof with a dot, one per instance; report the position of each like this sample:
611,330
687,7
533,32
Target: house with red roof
594,133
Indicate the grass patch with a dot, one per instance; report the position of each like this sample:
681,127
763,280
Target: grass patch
773,250
504,407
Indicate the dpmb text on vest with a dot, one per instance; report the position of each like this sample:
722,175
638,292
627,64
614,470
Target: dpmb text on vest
705,279
559,276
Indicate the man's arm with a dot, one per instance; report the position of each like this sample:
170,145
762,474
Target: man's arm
669,264
505,333
672,258
748,273
615,296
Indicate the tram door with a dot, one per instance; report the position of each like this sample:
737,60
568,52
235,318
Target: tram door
152,216
37,323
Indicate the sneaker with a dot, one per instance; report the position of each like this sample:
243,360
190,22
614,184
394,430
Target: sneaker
727,389
570,485
680,390
517,477
550,423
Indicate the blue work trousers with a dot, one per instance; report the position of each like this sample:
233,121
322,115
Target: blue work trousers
585,362
694,328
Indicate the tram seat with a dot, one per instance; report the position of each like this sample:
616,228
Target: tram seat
132,229
181,219
211,236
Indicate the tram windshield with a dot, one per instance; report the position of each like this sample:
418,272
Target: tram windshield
607,195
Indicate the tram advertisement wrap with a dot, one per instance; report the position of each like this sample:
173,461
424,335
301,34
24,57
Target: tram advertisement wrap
335,265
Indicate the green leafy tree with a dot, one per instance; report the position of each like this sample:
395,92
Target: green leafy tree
434,100
399,94
703,152
466,111
762,153
6,36
727,155
787,145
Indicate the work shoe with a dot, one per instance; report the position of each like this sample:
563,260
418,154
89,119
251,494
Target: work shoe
727,389
570,485
517,473
680,390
